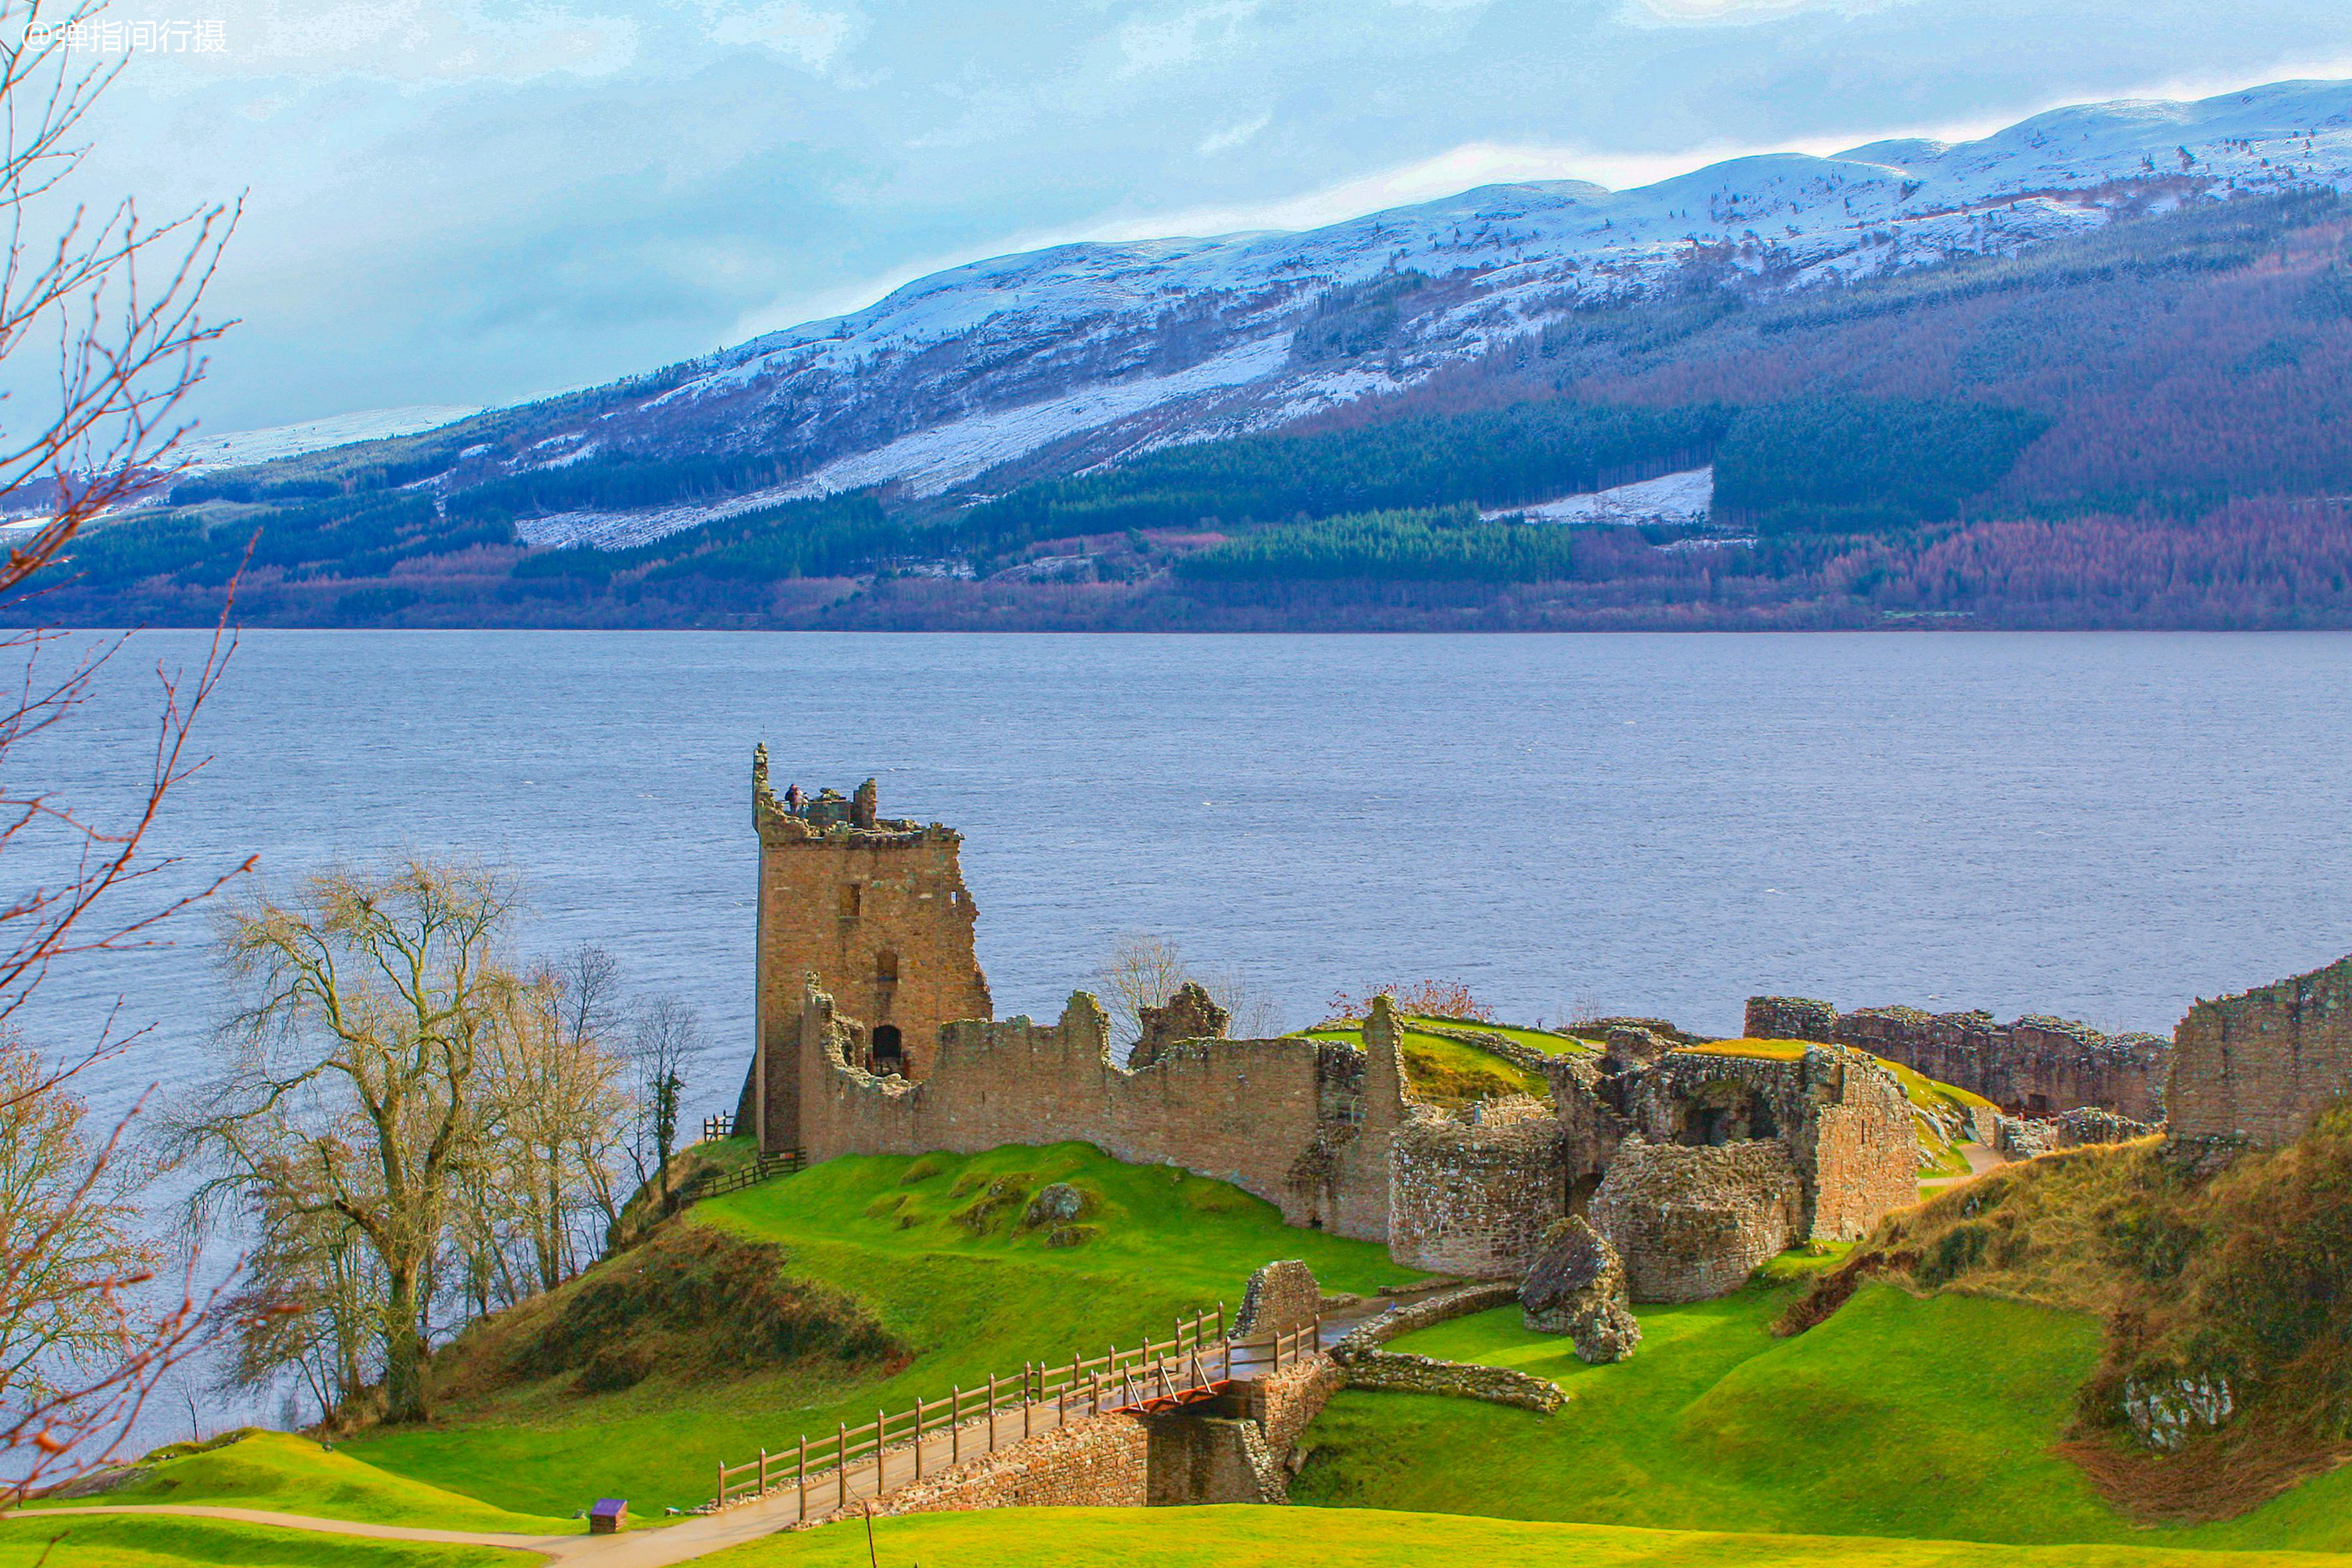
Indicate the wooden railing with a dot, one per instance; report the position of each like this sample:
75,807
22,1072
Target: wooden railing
782,1162
1198,1361
715,1128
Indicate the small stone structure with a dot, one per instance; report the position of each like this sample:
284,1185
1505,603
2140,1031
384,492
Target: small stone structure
2034,1066
1576,1286
1473,1190
1695,1222
2256,1067
1279,1297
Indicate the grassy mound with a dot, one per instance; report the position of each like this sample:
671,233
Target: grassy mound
1930,1418
696,1303
945,1254
127,1541
2240,1284
1241,1537
1452,1072
289,1474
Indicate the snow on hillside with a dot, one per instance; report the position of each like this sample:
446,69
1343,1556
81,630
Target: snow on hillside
1095,350
238,448
1670,497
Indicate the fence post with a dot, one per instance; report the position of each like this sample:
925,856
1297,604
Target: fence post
721,1499
764,1471
804,1513
1221,1320
918,1437
877,1455
841,1459
1027,1403
992,1413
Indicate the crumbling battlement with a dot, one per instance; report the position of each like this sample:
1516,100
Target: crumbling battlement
875,909
2260,1064
1843,1117
1245,1111
2034,1066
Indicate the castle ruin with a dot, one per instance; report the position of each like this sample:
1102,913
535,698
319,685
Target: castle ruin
874,1038
876,909
2256,1067
2036,1066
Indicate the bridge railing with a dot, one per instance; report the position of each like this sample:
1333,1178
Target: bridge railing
1197,1359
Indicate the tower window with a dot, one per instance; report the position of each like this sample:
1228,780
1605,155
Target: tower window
889,1056
849,901
886,966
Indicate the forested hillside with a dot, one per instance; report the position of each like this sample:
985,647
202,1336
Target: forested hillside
2146,426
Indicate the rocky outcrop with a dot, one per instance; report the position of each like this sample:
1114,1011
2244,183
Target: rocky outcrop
1577,1287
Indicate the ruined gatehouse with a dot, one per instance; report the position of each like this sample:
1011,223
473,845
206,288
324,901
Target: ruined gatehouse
874,1038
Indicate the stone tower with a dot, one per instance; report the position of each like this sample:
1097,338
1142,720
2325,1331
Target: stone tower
873,910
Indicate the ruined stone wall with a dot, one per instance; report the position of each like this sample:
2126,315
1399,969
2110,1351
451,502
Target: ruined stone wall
2260,1064
1472,1192
1844,1118
878,911
1693,1223
1100,1462
2036,1065
1196,1460
1245,1111
1283,1403
1280,1297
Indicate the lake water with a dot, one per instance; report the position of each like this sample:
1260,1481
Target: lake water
2100,826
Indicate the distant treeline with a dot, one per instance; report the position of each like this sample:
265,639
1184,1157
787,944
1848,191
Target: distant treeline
1493,457
1446,544
621,482
1858,465
362,535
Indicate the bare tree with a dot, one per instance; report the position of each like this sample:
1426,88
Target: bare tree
1141,971
91,427
348,1085
1250,1014
663,1036
556,1107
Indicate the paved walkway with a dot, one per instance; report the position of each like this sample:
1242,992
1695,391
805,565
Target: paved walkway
701,1535
1981,1159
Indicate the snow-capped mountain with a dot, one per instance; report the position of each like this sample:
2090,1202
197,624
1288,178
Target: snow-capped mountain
1071,355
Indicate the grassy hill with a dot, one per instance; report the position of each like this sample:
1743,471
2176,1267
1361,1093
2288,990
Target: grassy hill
1931,1418
936,1249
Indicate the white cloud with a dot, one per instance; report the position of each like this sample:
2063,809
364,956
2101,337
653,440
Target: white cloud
785,27
1157,43
1232,136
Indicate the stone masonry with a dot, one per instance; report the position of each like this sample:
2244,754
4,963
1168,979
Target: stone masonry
874,1038
2259,1066
2034,1066
875,908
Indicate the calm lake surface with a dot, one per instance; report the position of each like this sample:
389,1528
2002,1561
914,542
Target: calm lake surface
2100,826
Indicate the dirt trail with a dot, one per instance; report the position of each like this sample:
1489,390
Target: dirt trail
1981,1159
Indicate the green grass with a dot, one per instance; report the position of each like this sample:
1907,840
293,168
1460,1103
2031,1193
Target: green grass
1448,1072
1543,1040
1237,1536
1930,1419
289,1474
123,1540
896,1233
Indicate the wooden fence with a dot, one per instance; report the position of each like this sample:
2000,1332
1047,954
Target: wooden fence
782,1162
1198,1363
715,1128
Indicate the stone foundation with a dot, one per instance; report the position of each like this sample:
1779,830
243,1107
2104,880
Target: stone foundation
1690,1223
1100,1462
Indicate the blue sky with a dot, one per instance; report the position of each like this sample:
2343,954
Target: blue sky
470,201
